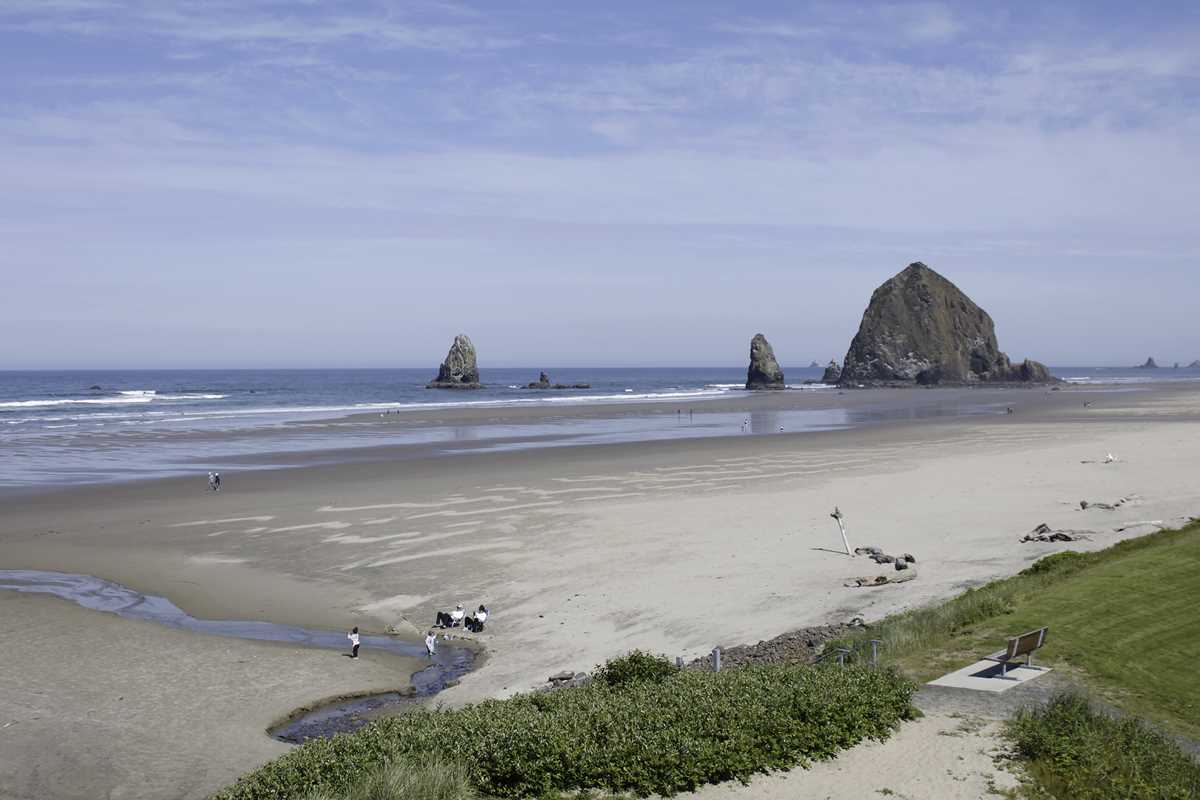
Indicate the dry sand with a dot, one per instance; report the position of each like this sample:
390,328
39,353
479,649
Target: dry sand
581,552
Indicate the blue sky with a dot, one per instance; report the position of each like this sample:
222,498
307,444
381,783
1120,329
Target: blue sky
191,184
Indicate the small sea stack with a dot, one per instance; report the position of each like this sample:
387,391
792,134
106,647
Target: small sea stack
764,371
543,382
920,328
833,373
459,370
1194,365
1150,364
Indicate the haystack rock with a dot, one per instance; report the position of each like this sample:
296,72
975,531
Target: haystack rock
920,327
1149,364
833,373
764,371
459,370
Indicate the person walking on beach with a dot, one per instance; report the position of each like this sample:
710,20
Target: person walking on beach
216,481
212,481
353,637
431,643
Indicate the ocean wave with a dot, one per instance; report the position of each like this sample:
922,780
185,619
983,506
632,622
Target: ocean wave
131,397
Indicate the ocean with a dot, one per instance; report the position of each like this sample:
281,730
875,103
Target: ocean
87,426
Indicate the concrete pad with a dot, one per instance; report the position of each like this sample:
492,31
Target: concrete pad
984,676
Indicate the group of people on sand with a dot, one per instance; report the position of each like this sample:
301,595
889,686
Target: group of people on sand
459,618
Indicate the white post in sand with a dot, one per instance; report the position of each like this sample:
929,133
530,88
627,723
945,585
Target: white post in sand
837,515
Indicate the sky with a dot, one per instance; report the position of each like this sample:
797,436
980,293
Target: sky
351,184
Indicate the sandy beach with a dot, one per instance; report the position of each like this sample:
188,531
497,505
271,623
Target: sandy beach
581,552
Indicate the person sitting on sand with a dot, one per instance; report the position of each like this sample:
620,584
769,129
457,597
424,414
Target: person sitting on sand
431,643
475,622
353,637
457,616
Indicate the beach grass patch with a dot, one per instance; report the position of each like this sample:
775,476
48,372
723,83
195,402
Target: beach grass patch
1122,618
1076,752
650,734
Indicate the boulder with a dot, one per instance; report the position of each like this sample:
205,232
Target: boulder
833,373
1149,364
459,370
543,382
764,371
920,328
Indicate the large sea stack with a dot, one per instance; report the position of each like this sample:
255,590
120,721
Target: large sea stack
459,370
919,327
832,374
764,371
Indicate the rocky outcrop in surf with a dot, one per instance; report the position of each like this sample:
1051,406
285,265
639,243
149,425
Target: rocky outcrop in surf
764,371
832,374
920,328
1195,364
459,370
543,382
1150,364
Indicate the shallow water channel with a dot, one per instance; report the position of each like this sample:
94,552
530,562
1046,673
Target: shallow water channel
339,716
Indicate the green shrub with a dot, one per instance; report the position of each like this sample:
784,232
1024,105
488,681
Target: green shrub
408,779
1057,563
1076,752
637,666
642,736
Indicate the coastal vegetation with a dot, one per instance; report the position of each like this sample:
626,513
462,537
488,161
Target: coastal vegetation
1121,618
1074,751
641,727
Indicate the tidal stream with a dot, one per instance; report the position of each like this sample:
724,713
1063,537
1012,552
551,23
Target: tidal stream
340,716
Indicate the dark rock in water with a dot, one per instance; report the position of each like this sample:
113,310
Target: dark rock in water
543,382
921,328
833,373
814,365
94,387
1194,365
1176,365
764,371
459,370
1149,364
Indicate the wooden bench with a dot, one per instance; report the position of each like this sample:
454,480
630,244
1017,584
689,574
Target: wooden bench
1018,646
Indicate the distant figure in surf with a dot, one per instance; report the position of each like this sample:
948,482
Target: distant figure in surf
212,481
353,637
431,643
216,481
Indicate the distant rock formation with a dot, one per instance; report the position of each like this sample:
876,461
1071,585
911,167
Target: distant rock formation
814,365
1149,364
920,327
543,382
1195,364
833,373
459,370
764,371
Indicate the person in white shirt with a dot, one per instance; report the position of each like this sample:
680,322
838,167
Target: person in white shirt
431,643
457,616
475,623
353,637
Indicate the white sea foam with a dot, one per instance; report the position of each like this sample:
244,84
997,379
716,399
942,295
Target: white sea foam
138,396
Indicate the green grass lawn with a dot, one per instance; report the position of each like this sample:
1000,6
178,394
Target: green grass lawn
1125,621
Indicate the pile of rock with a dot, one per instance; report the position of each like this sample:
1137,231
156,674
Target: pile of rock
543,382
795,647
1044,533
901,561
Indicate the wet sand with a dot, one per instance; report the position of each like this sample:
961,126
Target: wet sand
581,552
